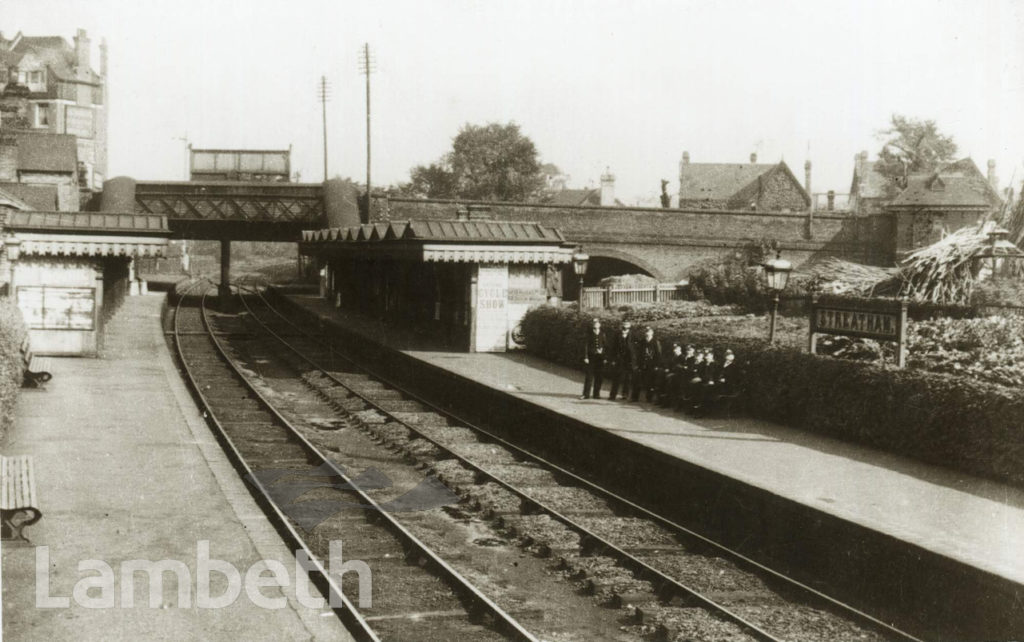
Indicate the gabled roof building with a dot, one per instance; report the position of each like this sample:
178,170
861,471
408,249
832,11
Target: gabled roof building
60,93
755,186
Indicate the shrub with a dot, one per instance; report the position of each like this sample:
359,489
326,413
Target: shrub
12,333
646,312
932,417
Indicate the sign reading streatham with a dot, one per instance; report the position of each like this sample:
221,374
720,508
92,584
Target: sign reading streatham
879,320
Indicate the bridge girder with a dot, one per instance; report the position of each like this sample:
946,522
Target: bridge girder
251,211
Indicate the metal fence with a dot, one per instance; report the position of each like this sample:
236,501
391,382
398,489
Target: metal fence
611,297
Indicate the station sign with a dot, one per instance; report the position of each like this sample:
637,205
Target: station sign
881,320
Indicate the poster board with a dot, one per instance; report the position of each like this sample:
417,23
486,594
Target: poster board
491,308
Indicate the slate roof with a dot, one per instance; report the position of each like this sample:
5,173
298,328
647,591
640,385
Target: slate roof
135,224
440,231
37,197
573,197
55,52
718,181
47,153
959,184
10,200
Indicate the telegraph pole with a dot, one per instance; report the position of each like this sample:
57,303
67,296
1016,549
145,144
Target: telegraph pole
324,93
367,66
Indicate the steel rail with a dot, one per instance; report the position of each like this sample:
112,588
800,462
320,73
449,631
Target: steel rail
638,565
644,570
347,612
502,620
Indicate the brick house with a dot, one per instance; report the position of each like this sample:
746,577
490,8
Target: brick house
65,95
934,203
40,169
761,187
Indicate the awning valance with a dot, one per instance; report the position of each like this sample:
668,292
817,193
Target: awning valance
42,244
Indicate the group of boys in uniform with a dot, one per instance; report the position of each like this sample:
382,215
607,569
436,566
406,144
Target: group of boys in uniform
685,377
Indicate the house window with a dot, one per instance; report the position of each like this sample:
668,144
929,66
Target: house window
42,114
35,77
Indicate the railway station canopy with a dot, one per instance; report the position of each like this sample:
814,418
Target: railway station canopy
457,241
86,234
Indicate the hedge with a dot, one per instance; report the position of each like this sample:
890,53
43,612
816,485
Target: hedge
935,418
12,333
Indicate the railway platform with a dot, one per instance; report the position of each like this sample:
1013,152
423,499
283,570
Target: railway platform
959,524
127,469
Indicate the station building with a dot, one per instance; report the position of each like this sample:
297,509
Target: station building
69,271
466,283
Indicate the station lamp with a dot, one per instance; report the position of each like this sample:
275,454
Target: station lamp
999,247
579,266
776,276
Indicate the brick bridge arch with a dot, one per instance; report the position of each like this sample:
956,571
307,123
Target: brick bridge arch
619,257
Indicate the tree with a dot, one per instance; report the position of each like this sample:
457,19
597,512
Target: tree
436,180
913,146
487,162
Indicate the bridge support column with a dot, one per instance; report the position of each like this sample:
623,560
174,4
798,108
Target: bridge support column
224,289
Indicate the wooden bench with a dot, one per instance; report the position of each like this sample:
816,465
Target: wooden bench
37,369
18,504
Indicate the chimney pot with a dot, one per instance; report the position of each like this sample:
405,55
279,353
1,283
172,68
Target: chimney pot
831,200
993,180
753,157
686,158
807,176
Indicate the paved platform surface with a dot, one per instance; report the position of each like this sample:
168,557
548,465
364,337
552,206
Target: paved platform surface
127,470
970,519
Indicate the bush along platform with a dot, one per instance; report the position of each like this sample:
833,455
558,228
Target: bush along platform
935,418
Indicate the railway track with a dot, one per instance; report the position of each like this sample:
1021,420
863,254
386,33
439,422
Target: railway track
672,579
276,459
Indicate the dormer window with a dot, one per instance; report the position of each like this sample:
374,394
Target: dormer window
35,77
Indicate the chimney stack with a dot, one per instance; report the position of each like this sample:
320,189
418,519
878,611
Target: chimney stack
831,200
992,179
607,188
103,57
807,177
753,158
82,46
686,158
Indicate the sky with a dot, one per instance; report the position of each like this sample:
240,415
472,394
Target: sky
618,85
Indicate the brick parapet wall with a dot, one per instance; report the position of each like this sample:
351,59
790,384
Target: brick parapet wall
667,242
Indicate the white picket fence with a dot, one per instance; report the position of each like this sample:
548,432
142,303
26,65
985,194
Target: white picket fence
611,297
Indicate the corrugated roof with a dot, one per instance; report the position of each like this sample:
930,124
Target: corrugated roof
88,222
38,197
718,181
47,153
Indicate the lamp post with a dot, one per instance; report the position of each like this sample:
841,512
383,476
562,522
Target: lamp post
579,266
999,247
776,276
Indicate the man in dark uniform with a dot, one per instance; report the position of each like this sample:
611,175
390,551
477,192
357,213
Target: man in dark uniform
593,360
709,379
691,387
676,372
646,366
621,354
